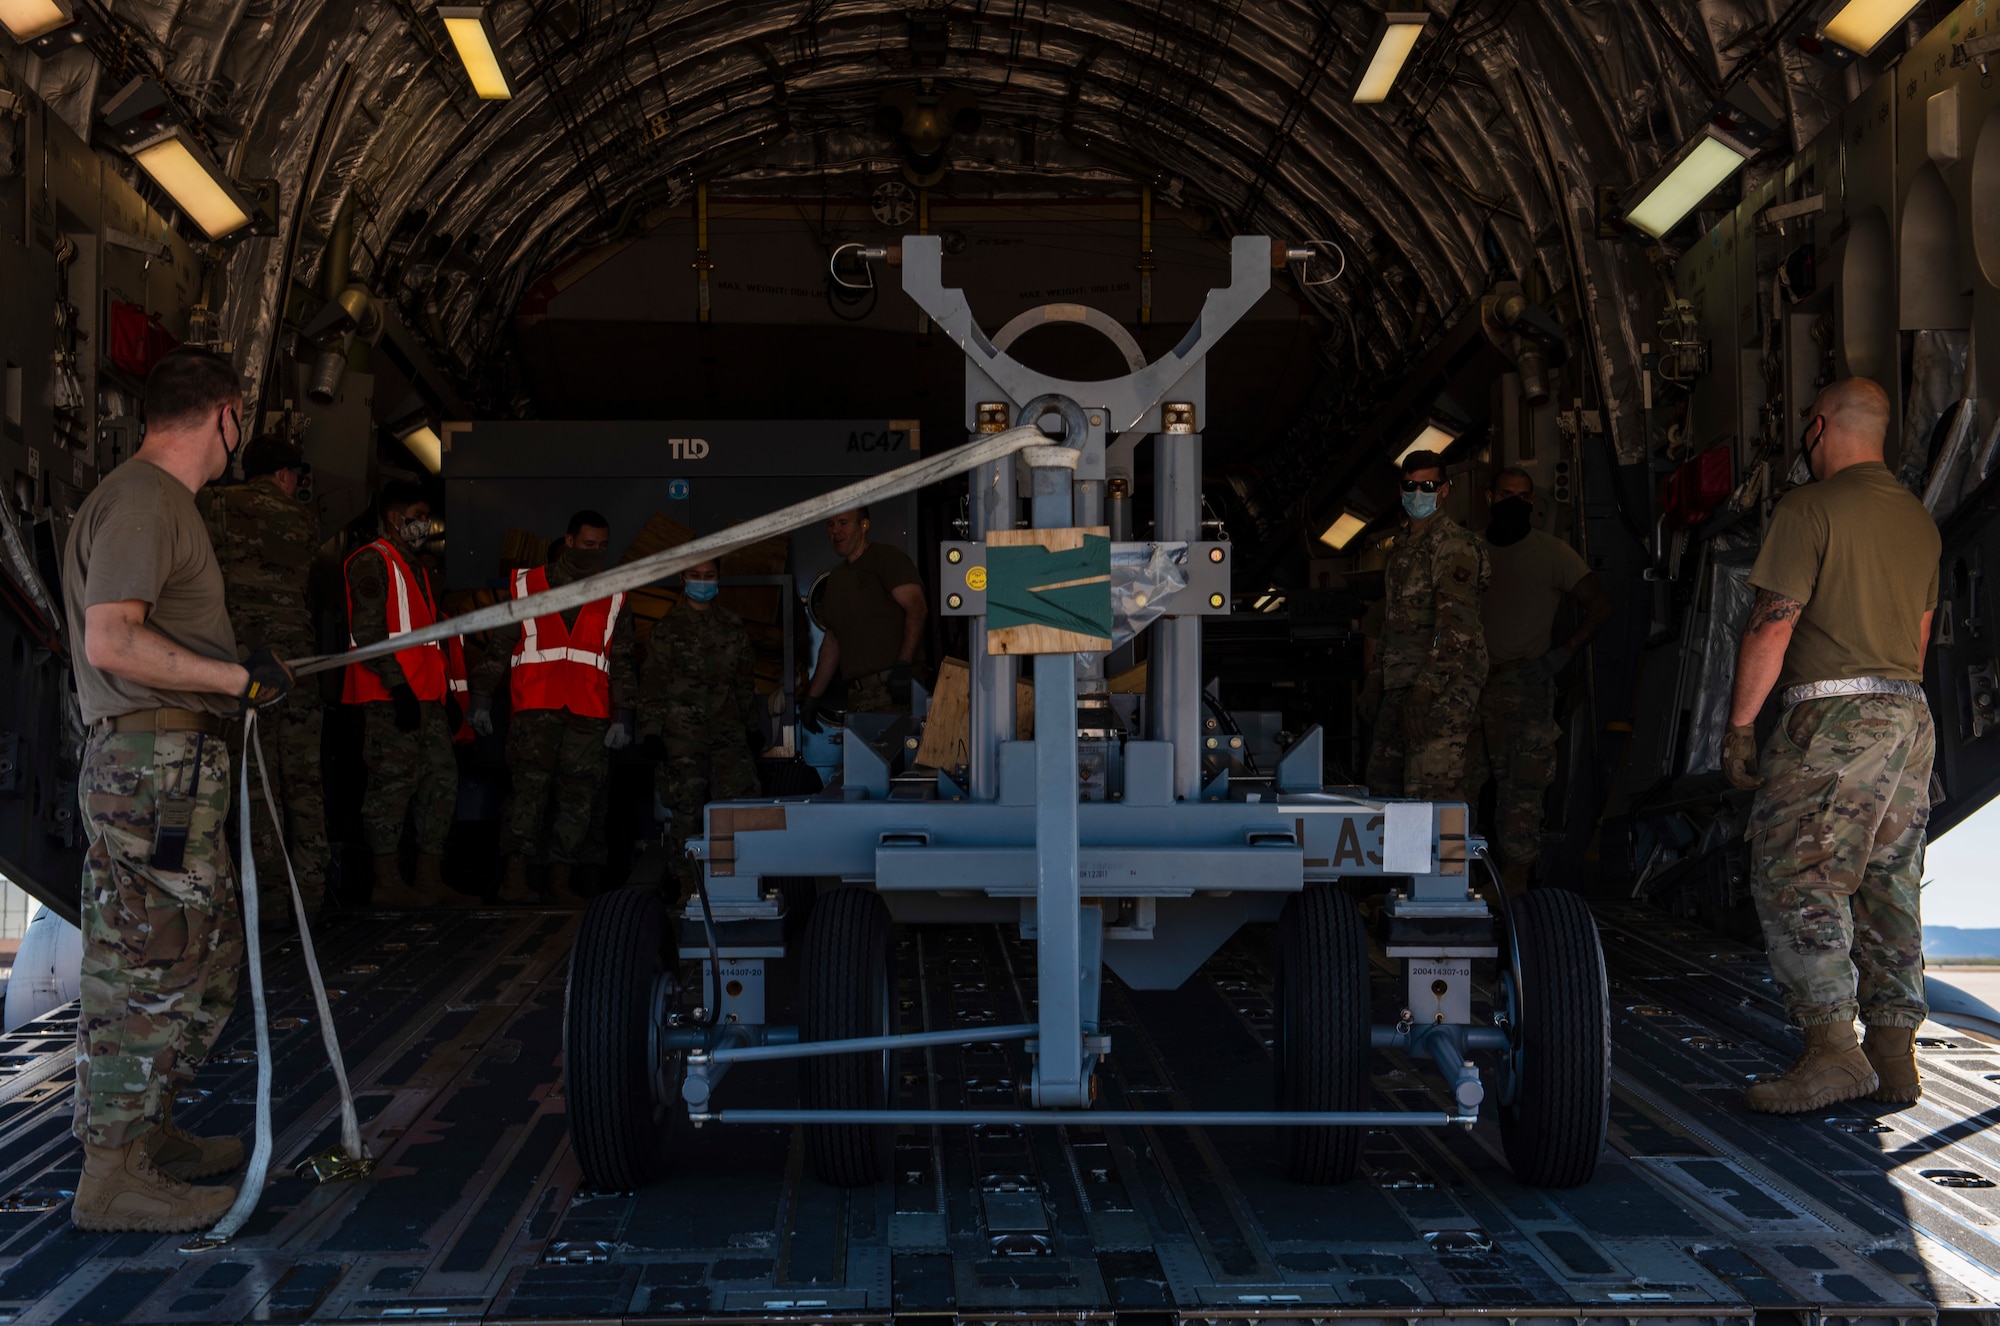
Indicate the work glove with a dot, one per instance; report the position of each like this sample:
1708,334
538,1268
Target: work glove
270,681
409,714
481,716
1739,757
1418,724
653,748
619,735
809,713
1538,670
899,684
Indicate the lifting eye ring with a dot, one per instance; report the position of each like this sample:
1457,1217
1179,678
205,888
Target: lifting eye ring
866,255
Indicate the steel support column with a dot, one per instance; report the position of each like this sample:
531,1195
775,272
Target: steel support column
993,676
1058,1078
1174,672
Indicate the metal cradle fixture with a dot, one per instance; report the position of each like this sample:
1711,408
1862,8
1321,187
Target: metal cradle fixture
1115,838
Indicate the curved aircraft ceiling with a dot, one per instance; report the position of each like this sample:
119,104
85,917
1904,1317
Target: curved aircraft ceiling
1483,163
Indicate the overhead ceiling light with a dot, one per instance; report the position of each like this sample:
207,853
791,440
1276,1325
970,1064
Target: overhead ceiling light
1398,33
1687,177
209,197
425,445
1343,529
1434,437
1860,25
26,20
478,50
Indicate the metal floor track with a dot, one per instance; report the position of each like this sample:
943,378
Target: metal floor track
453,1029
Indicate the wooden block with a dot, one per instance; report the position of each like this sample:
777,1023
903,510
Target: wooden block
522,550
947,732
1132,681
947,740
661,532
1034,638
1054,540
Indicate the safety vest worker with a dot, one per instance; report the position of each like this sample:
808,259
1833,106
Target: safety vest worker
574,679
406,700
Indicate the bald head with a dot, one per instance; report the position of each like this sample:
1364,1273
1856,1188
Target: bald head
1858,407
1850,425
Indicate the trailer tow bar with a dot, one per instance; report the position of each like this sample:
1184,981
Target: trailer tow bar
1129,1118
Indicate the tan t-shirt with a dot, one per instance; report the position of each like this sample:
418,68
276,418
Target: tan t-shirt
1861,553
1530,579
861,611
139,536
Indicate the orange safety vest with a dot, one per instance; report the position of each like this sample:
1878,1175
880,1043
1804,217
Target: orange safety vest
564,667
425,667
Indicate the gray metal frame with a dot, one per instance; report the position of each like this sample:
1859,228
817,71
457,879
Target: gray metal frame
1151,873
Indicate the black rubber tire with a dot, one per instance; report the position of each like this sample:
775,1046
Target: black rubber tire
618,1124
1554,1125
847,988
800,893
1321,1041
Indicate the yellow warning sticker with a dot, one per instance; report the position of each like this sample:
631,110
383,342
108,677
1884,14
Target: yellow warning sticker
976,578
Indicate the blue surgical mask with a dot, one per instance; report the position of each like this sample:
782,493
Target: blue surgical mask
1420,506
702,591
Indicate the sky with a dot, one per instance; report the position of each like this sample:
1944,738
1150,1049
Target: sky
1962,873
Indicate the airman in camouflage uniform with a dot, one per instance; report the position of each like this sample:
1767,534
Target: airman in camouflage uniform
1847,583
1431,662
698,700
158,683
265,537
556,755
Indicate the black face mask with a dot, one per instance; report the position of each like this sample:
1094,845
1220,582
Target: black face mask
1510,521
583,561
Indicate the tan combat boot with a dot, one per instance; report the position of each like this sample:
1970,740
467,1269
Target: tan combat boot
560,892
122,1190
1832,1069
388,883
182,1154
1892,1053
514,891
429,886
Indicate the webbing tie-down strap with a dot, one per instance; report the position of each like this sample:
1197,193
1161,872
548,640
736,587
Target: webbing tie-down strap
356,1160
660,565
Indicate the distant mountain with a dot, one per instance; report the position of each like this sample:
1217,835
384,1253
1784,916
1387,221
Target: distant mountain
1949,941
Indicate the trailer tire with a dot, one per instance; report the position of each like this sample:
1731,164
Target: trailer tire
1556,1088
1321,1045
619,1083
847,988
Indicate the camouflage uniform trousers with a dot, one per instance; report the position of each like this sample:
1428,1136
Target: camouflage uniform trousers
290,736
406,771
1514,742
556,757
700,768
1836,839
1430,770
869,694
161,948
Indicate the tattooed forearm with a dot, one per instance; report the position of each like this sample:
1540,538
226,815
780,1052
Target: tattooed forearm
1772,609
